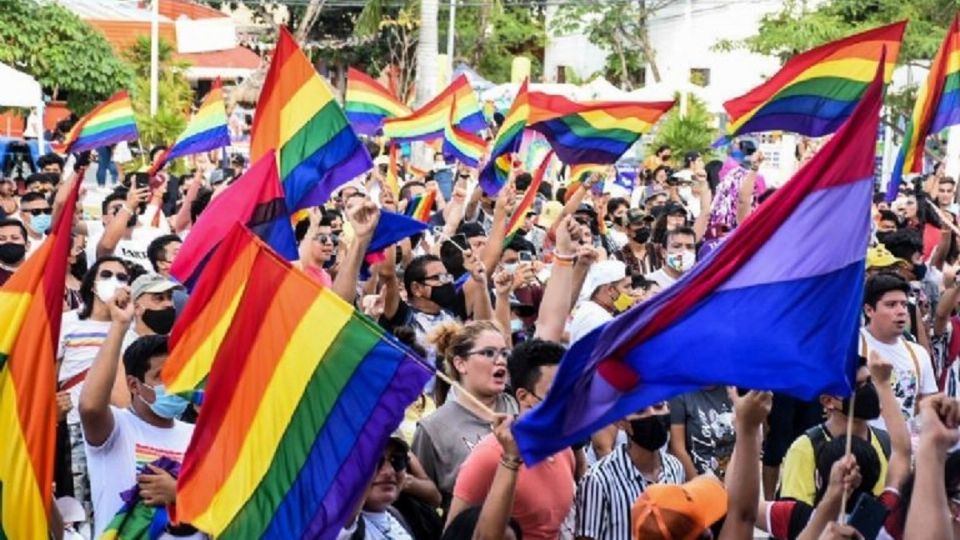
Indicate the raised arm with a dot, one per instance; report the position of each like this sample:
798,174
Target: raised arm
364,221
503,286
114,232
706,201
390,283
948,301
555,305
928,516
495,512
181,221
505,203
844,477
743,473
94,407
898,466
475,289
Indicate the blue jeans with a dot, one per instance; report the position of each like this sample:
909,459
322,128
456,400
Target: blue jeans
105,156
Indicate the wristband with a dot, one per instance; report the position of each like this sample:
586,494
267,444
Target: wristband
568,258
511,462
562,262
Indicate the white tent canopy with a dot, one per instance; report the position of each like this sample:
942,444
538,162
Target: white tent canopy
21,90
18,89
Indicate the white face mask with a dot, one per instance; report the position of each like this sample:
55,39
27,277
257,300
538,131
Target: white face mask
685,192
681,262
106,289
510,268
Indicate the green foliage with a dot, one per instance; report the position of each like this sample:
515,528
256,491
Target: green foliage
693,132
796,28
619,27
488,37
174,95
68,57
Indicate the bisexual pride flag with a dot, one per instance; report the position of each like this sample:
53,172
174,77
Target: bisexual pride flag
775,307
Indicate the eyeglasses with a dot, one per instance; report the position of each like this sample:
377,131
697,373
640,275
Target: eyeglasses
399,461
442,278
107,274
38,211
491,353
324,238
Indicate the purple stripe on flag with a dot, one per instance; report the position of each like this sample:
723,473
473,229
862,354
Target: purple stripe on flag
948,112
795,251
803,124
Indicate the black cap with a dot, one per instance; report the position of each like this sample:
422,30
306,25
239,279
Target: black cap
672,209
636,215
585,208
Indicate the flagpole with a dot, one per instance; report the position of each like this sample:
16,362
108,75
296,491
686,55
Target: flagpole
846,452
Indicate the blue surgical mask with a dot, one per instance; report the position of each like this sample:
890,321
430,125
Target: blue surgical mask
41,223
170,406
516,325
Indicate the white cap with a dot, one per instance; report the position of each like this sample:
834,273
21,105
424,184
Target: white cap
602,273
684,175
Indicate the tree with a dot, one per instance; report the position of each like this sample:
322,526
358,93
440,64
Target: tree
487,37
68,58
174,94
693,132
619,26
796,28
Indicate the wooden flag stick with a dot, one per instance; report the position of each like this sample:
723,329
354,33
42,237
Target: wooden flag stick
853,399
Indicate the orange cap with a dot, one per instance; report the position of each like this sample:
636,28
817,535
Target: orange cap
679,512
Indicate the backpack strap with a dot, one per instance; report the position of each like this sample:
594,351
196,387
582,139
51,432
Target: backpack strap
818,437
916,368
883,437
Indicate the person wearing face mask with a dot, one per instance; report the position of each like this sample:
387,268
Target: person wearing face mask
120,442
82,332
36,214
154,313
874,398
607,291
14,245
608,491
637,254
679,255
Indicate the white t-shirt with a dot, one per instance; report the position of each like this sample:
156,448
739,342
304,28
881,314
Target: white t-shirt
376,526
588,316
906,387
114,465
133,249
78,345
662,278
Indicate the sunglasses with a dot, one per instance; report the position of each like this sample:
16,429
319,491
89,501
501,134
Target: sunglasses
491,353
324,238
107,274
38,211
442,278
399,461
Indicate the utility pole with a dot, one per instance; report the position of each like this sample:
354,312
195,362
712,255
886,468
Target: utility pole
154,56
451,29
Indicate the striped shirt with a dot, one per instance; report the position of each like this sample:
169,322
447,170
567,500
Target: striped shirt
608,491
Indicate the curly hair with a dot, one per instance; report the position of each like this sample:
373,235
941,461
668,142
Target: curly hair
452,340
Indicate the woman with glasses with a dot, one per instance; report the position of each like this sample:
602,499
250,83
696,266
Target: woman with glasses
475,355
82,332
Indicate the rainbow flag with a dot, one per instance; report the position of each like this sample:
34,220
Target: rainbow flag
427,122
255,199
31,304
298,116
393,174
937,107
135,520
200,329
597,132
815,92
420,206
301,400
461,145
368,103
526,203
495,173
109,123
206,131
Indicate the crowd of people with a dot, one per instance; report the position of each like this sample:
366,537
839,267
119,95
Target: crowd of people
496,313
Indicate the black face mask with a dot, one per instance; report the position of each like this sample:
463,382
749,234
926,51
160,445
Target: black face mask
867,403
641,236
882,236
11,253
159,320
651,432
920,270
443,295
